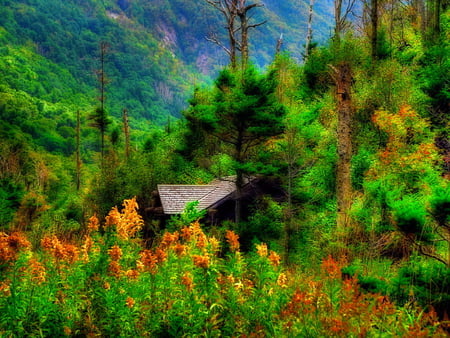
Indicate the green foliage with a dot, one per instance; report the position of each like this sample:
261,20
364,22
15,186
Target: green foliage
264,225
427,281
410,217
189,215
440,206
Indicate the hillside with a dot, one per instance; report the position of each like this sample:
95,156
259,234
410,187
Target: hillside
156,48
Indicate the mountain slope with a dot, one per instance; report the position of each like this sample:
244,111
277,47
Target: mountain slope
157,48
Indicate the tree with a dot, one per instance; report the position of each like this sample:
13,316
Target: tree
234,10
78,155
342,9
242,113
309,34
99,117
342,75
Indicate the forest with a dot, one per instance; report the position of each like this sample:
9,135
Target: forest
314,133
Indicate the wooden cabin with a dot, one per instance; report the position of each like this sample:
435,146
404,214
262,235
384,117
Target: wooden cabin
217,198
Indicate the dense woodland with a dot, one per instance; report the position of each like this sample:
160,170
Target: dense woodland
343,105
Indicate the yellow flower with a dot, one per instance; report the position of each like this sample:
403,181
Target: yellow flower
261,249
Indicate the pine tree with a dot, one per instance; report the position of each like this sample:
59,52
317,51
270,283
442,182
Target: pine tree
242,113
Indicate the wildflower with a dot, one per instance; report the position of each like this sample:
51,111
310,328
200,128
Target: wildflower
233,240
93,224
180,249
202,240
161,255
114,269
215,244
11,244
282,280
130,222
86,247
115,253
187,281
261,249
132,274
113,217
37,271
195,228
148,260
274,258
67,331
186,233
168,239
331,267
106,286
201,261
5,289
130,302
59,250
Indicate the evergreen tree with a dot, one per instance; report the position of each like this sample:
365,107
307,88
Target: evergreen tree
242,113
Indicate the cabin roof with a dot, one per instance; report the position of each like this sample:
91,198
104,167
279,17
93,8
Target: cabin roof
174,197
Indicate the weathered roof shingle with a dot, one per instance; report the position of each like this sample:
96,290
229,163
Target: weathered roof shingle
174,197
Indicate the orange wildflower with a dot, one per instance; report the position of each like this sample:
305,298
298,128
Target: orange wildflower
180,249
11,244
233,240
115,253
130,302
59,250
93,224
5,289
261,249
114,268
186,233
37,271
195,228
113,217
132,274
148,260
274,258
86,248
187,281
161,255
168,239
201,261
67,331
131,222
331,267
202,240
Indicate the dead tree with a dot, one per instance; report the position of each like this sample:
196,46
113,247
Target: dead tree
309,33
78,155
342,75
238,24
126,131
342,9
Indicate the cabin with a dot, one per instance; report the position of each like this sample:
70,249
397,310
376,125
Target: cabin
217,198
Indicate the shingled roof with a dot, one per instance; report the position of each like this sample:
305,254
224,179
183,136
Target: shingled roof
174,197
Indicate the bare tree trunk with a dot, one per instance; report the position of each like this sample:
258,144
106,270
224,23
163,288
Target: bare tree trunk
374,21
309,33
126,131
78,157
343,79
